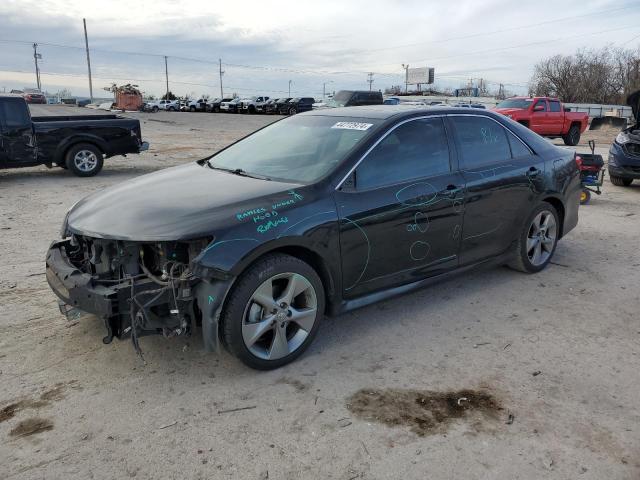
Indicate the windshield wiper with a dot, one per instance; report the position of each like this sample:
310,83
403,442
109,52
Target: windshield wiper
239,171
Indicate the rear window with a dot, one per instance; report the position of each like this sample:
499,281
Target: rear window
14,113
554,105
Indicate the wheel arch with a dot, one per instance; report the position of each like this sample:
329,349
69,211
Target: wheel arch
306,253
560,208
68,144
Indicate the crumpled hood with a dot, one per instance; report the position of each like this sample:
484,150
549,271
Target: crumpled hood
177,203
633,101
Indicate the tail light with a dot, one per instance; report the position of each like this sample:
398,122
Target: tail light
579,161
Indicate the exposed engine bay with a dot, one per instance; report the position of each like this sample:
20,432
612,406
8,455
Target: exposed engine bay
148,287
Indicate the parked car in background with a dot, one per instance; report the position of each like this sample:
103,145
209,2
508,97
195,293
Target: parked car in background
199,105
276,105
320,213
79,143
545,116
391,101
254,104
168,105
353,98
297,105
624,154
214,106
231,106
32,95
469,105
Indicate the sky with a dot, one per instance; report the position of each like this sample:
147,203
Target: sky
267,47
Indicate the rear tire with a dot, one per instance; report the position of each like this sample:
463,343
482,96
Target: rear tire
620,181
264,326
537,240
192,108
84,160
572,138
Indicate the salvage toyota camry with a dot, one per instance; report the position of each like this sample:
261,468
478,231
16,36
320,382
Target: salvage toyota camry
316,214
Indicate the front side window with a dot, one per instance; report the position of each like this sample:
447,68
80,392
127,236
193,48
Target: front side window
541,103
414,150
482,141
299,149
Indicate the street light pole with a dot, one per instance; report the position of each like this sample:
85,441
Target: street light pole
289,87
166,76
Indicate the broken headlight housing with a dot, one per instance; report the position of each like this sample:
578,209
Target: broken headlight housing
622,138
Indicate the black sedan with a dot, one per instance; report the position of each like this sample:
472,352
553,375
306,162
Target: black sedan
319,213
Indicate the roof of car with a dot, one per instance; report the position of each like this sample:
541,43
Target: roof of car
11,95
385,112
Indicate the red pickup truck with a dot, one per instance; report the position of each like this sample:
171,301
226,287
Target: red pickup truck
545,116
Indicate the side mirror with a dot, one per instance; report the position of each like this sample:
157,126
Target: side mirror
538,108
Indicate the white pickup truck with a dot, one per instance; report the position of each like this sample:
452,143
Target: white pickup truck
168,105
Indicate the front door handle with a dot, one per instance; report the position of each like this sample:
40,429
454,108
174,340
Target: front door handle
451,190
533,172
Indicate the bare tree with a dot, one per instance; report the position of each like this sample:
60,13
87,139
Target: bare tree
604,76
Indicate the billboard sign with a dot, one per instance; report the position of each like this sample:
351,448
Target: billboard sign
422,75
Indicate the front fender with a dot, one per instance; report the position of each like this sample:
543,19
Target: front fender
311,226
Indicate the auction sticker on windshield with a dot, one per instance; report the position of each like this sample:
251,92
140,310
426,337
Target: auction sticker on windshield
352,125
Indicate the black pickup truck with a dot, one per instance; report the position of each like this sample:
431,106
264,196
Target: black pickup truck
79,143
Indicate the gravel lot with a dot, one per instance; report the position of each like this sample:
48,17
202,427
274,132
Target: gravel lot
559,351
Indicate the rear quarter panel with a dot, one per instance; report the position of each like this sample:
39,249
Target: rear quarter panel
565,186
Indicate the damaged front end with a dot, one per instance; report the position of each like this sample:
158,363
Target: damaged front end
136,288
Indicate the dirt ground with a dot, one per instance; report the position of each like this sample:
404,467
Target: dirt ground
549,361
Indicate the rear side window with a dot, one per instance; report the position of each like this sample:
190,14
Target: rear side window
482,141
554,106
518,149
14,113
414,150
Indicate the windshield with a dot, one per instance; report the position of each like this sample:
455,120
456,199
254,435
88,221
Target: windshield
299,149
522,103
340,99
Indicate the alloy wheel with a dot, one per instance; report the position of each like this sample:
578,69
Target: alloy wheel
85,160
541,238
279,316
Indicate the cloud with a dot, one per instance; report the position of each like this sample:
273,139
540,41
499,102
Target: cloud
309,43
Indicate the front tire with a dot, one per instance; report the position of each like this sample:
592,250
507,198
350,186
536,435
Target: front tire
292,111
273,312
84,160
537,240
620,181
573,137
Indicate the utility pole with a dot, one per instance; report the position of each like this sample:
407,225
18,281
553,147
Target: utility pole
289,87
370,79
166,76
221,73
406,77
37,56
86,44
